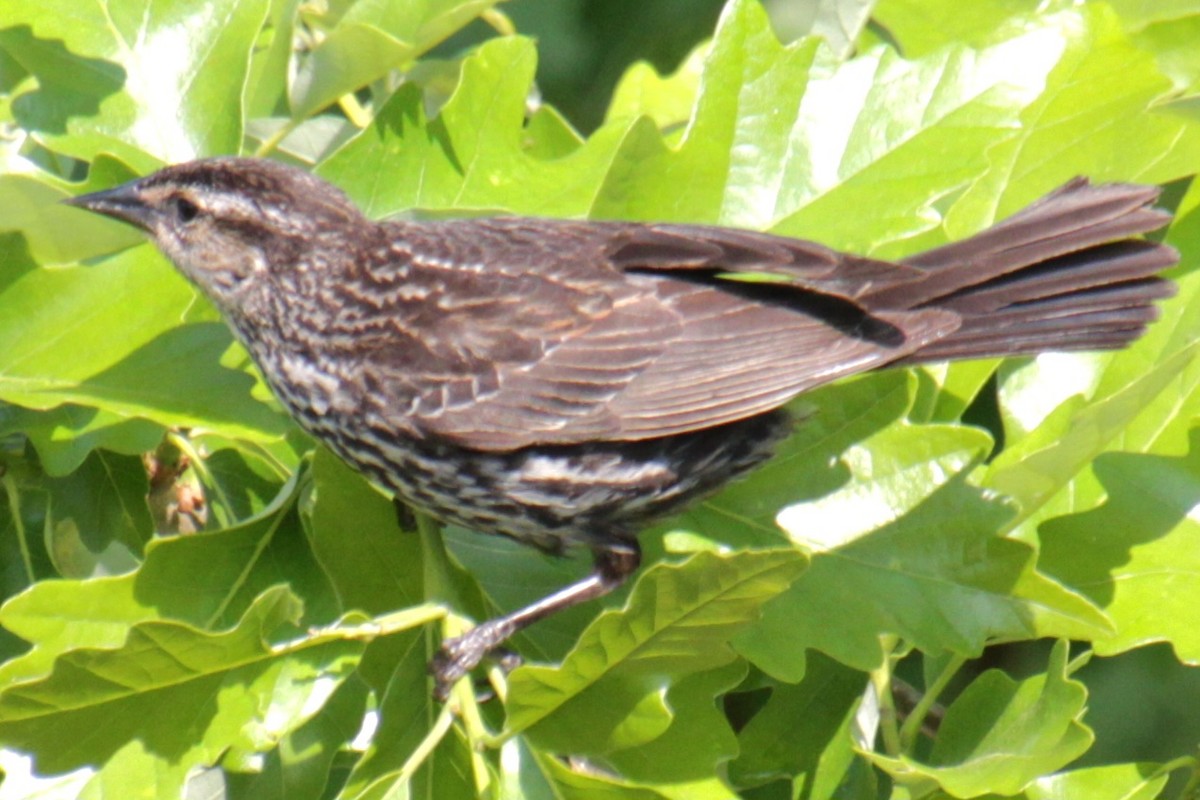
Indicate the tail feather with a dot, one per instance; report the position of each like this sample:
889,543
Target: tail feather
1017,334
1103,266
1063,274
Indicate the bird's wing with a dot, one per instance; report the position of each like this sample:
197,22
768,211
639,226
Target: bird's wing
624,331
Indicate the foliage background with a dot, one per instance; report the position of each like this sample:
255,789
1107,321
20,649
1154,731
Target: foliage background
1028,580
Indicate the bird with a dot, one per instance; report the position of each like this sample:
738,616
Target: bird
565,382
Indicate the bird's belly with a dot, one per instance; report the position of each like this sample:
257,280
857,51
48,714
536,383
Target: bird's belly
554,497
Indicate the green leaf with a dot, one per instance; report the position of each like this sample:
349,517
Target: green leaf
556,779
159,82
352,55
105,500
668,101
677,623
697,738
376,567
1060,411
999,735
893,556
803,731
368,40
267,78
806,160
948,389
65,435
241,480
1034,468
22,522
1115,782
73,558
808,465
893,472
446,771
59,234
139,360
205,580
1065,133
512,576
232,687
134,765
1137,555
299,768
373,565
921,26
446,163
1170,41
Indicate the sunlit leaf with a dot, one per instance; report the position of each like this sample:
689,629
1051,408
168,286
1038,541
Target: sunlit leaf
1001,734
232,686
143,365
160,81
917,557
368,40
1137,555
677,623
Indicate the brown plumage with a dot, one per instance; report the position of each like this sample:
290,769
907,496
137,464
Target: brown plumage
564,382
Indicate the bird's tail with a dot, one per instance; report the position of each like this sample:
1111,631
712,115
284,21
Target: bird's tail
1066,273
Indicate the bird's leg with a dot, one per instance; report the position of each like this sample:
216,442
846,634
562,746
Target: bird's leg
406,518
612,565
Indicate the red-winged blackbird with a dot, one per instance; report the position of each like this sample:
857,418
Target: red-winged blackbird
563,382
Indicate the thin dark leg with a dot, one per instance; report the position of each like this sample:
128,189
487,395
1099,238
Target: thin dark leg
458,656
406,518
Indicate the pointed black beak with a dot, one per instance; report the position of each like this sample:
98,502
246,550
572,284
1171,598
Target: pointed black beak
121,202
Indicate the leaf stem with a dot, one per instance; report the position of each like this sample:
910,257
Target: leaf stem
440,587
911,728
881,680
384,625
268,145
1191,789
500,22
437,732
498,679
14,505
359,117
466,707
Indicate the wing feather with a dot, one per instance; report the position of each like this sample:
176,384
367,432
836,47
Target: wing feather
625,331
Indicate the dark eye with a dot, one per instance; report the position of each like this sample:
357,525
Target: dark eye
185,210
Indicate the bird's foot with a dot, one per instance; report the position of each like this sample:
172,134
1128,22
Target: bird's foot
458,656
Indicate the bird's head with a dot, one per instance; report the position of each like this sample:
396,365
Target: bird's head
229,223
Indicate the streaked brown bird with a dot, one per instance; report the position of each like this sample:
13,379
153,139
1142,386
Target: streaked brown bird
564,382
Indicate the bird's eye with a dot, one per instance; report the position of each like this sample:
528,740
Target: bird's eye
185,210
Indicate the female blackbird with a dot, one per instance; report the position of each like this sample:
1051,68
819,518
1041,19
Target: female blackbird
563,382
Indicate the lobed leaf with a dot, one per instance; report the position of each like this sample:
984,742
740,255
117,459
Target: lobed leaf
232,687
369,39
676,624
804,730
908,548
1135,555
1000,734
152,83
204,580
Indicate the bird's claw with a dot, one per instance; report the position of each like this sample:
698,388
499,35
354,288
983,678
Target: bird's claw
458,656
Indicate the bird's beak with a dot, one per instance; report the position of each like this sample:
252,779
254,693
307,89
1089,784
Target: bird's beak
121,202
